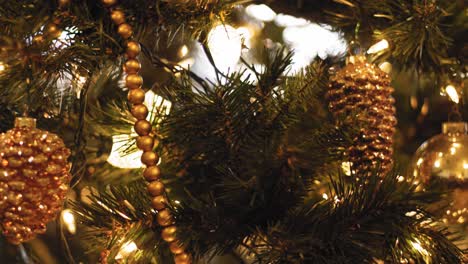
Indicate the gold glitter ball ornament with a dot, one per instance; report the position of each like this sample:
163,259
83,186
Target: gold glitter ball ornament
34,178
442,163
361,94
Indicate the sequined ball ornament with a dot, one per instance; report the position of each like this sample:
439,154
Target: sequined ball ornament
442,162
361,94
34,178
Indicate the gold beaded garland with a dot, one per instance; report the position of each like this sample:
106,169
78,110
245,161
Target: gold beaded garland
133,81
125,30
156,188
117,16
152,173
53,30
164,218
133,49
136,96
159,202
145,141
38,39
149,158
63,3
181,258
140,111
109,2
176,247
142,127
168,233
132,66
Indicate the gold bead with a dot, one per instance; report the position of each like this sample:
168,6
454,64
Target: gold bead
125,30
182,258
133,49
132,66
152,173
145,143
140,111
136,96
176,248
142,127
159,202
156,188
109,2
63,3
53,30
118,16
133,81
149,158
164,218
38,39
168,234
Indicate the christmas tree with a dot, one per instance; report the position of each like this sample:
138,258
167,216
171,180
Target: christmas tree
232,131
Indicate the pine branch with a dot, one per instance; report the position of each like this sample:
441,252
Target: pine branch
116,216
419,32
383,218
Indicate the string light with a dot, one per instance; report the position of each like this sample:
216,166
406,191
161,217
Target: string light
183,51
126,249
312,40
386,67
325,196
2,66
68,219
418,247
283,20
261,12
225,45
378,47
452,93
246,36
346,167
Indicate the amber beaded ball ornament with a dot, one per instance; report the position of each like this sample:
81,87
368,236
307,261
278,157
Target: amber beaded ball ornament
34,178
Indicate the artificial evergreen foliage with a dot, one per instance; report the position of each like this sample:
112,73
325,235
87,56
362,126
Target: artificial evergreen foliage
252,159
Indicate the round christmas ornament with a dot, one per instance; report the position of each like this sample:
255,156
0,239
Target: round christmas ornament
361,94
442,162
34,178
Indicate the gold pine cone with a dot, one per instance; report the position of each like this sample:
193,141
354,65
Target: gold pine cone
34,178
361,93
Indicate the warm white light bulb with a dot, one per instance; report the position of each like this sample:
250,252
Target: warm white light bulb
225,45
386,67
118,158
245,35
260,12
418,247
183,51
452,93
283,20
378,47
346,166
126,249
68,219
312,40
325,196
2,66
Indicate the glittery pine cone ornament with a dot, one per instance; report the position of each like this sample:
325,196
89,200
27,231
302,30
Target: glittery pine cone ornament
34,178
361,94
